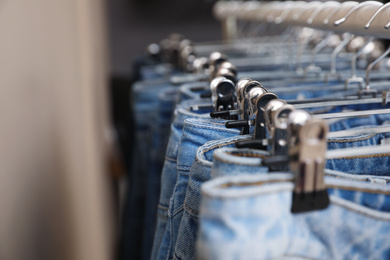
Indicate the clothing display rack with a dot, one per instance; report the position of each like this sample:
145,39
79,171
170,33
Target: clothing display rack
273,143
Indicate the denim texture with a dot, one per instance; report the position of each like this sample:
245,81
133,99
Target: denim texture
193,90
232,161
160,126
373,120
224,231
145,107
201,172
377,165
195,133
249,217
169,170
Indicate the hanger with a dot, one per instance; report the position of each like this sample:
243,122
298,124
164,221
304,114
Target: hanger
306,157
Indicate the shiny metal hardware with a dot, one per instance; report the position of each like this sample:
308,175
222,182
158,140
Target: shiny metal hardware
201,65
354,78
354,9
367,89
215,59
276,115
307,148
336,51
222,94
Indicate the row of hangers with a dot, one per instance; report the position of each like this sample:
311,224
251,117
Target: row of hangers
294,138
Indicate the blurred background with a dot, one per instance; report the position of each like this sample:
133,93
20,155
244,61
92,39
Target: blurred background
66,73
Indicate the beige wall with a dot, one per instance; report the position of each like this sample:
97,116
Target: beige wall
53,75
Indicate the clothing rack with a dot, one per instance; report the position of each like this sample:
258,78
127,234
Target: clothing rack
330,16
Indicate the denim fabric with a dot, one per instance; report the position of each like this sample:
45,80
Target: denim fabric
200,173
160,126
193,90
249,217
373,120
145,106
169,171
196,132
373,165
156,71
249,161
232,161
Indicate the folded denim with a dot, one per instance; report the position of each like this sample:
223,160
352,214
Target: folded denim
249,217
239,161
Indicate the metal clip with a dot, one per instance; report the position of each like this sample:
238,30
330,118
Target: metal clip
223,94
276,114
245,101
260,140
385,97
307,147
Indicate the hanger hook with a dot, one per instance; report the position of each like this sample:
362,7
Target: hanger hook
284,14
354,9
376,14
372,64
353,77
320,8
347,38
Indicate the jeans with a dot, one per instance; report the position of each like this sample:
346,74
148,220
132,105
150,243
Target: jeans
160,126
145,106
195,133
249,217
169,171
238,161
200,172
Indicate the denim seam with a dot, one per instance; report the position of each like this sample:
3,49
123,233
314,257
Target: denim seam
237,163
247,155
163,207
351,140
183,168
213,128
170,159
364,156
177,211
365,190
360,180
360,212
191,211
219,145
198,122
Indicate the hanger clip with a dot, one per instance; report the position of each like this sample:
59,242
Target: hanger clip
307,149
385,97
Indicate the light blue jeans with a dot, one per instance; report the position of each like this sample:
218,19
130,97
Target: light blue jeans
249,217
195,133
169,171
240,161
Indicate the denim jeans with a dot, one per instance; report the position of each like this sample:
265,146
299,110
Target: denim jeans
200,172
239,161
373,120
159,126
249,217
169,170
195,133
145,106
